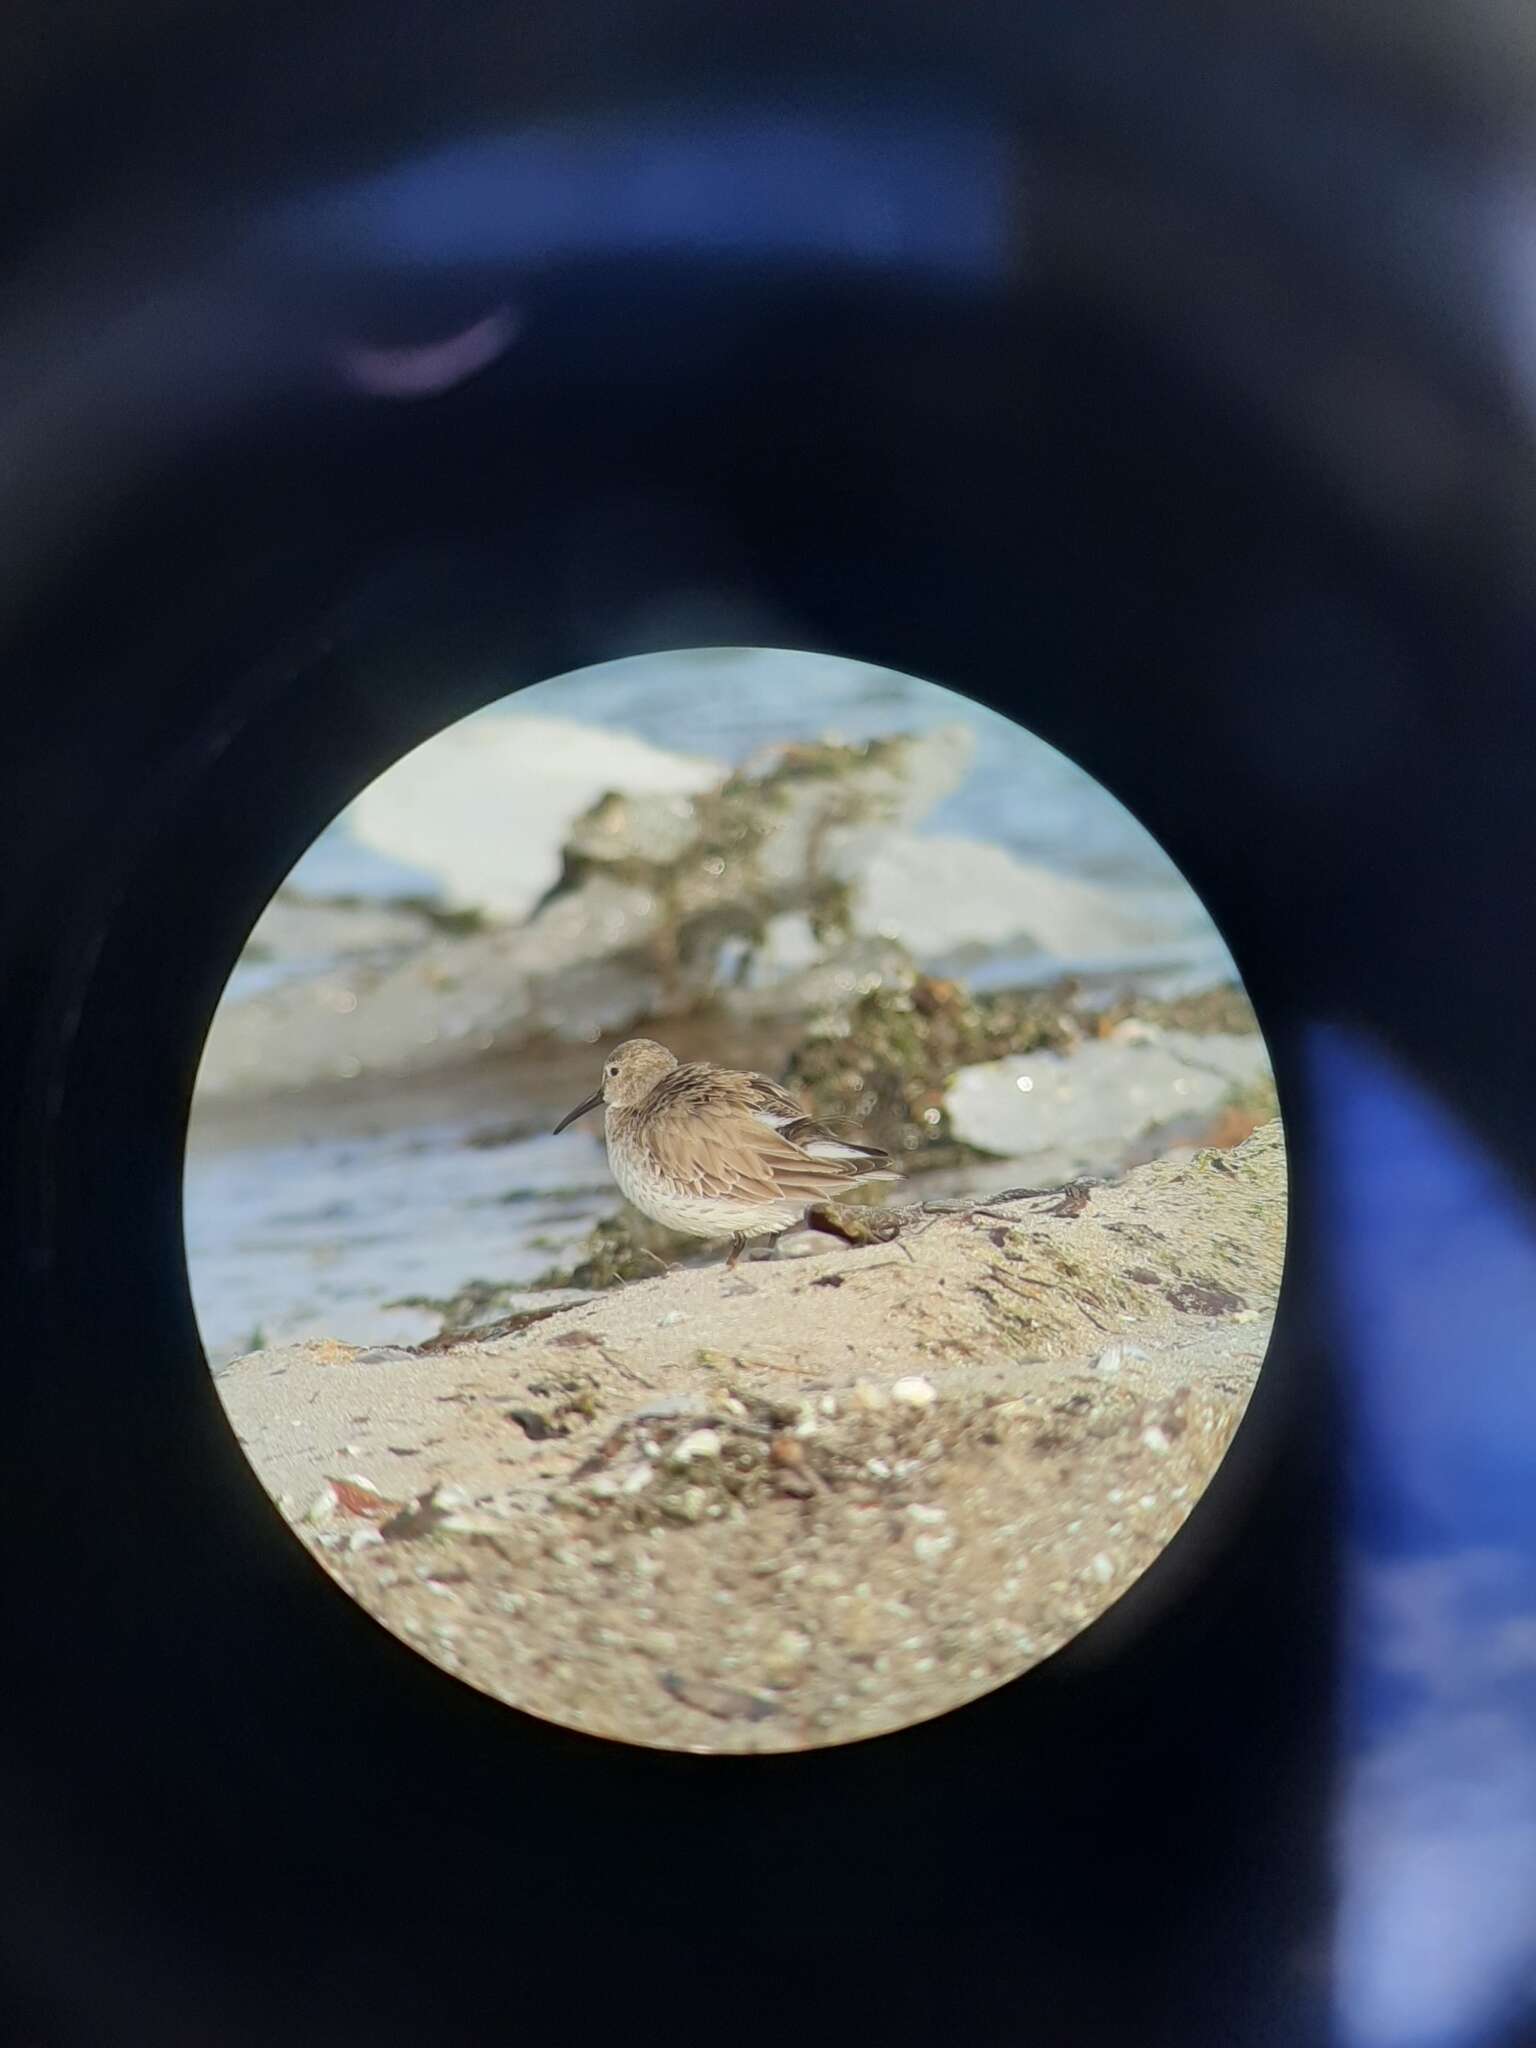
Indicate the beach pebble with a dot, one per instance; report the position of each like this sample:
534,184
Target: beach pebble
786,1658
919,1511
672,1317
637,1478
868,1396
699,1443
929,1549
688,1506
914,1393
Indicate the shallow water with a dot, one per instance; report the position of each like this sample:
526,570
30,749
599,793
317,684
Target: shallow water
314,1232
318,1236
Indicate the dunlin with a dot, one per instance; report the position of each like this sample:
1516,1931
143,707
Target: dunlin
713,1153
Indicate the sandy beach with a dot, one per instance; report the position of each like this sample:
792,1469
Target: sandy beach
823,1497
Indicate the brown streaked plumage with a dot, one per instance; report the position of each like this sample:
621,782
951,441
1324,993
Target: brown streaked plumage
715,1153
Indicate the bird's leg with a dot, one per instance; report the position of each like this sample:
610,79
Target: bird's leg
738,1246
662,1265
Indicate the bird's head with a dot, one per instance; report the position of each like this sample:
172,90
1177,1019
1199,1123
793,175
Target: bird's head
630,1072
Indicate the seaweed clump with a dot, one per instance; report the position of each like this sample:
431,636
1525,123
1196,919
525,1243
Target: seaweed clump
627,1246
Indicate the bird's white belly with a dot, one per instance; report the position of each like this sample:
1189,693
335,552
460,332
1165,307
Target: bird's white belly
694,1215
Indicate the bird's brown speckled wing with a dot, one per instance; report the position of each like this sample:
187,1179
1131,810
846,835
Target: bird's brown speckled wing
741,1136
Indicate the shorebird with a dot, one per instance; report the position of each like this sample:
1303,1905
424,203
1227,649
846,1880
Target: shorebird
714,1153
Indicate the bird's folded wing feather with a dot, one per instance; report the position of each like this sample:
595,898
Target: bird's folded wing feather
776,1107
732,1150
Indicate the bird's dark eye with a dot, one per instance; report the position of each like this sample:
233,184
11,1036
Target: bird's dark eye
612,1073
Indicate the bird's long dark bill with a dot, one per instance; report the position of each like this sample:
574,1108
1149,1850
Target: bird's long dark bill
581,1109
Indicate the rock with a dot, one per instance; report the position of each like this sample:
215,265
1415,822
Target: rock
485,806
950,900
914,1393
1100,1092
840,975
699,1443
786,1658
297,930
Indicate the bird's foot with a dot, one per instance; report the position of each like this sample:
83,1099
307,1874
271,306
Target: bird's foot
856,1225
